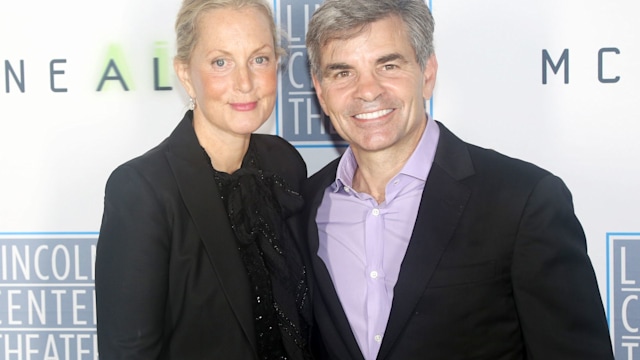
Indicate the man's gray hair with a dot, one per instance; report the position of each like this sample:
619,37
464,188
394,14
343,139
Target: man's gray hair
345,19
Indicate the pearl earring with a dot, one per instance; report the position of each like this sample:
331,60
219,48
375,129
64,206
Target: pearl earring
192,103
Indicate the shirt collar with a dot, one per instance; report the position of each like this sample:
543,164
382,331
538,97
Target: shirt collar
418,165
346,169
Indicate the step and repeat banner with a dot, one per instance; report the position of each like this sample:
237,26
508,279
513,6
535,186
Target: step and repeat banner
85,86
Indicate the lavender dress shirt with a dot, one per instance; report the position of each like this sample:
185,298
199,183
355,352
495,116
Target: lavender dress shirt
363,243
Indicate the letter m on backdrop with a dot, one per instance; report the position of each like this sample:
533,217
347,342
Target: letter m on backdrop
555,67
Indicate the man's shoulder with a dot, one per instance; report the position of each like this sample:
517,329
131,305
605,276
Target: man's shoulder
487,161
494,163
321,178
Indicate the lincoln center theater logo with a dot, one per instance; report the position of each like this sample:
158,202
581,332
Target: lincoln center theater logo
623,293
47,298
298,114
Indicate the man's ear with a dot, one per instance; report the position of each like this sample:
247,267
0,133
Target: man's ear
429,73
182,71
318,88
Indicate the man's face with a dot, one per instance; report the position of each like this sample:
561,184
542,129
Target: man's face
373,89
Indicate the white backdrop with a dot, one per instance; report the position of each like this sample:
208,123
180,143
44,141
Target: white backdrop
62,133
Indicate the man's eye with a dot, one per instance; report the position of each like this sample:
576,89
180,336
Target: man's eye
390,67
342,74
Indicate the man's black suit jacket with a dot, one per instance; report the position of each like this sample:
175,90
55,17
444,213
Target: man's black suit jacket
496,268
169,279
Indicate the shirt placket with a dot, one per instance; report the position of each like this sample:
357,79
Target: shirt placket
376,300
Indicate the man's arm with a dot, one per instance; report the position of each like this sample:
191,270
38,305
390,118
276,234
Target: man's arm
555,289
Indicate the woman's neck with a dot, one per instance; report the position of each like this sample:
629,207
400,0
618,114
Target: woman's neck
226,151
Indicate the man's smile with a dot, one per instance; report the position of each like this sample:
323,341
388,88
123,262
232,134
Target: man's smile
373,115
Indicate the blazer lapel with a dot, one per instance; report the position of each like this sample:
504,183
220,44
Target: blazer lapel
332,317
443,201
196,183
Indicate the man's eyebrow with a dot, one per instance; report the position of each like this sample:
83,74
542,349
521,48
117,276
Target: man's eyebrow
390,58
337,67
382,60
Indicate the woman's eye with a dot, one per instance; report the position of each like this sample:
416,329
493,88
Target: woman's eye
220,62
262,60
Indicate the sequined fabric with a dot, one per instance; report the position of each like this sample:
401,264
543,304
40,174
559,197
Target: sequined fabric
257,204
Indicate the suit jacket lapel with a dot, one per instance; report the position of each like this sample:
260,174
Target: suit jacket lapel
326,299
443,201
196,183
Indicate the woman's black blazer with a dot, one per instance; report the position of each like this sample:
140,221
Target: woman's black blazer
170,283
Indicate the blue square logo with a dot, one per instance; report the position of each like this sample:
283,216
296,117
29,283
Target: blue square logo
623,293
300,119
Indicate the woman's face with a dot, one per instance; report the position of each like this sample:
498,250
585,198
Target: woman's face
232,74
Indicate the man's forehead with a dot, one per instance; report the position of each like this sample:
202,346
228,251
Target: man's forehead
363,30
371,43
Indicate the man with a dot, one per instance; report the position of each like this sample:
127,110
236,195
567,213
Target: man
424,246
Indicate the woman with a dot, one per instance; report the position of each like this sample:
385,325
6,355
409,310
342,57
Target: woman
195,259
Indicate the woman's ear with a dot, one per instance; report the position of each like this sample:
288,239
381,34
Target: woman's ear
182,71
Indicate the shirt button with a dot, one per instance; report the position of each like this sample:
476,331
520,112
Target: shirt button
396,182
378,338
373,274
376,212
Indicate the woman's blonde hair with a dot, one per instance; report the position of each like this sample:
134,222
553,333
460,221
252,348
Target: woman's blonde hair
186,26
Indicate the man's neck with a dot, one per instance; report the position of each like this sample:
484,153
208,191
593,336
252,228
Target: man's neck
376,169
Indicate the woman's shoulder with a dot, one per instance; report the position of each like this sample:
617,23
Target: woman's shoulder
150,169
271,142
278,155
151,160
